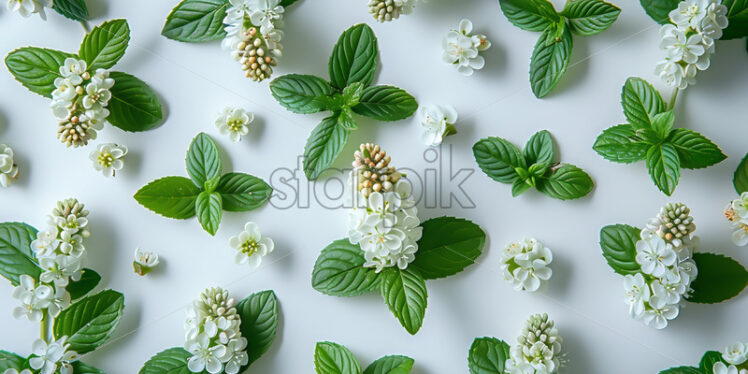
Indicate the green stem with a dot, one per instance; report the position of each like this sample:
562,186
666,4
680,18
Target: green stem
673,98
44,328
86,28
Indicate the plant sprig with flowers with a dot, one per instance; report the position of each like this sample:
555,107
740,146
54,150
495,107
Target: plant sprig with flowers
552,52
51,283
85,94
538,351
333,358
734,360
661,271
222,336
693,11
388,247
352,66
76,10
207,192
737,211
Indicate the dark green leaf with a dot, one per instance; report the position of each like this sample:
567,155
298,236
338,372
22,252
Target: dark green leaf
354,57
567,183
549,60
105,44
620,144
539,149
498,159
16,257
448,245
737,15
695,151
286,3
301,93
259,315
618,243
386,103
590,17
740,178
664,167
243,192
89,322
488,356
662,123
340,271
170,361
331,358
682,370
36,68
530,15
323,146
404,291
89,280
720,278
641,102
72,9
203,160
134,106
659,9
390,365
209,209
10,360
706,365
196,21
172,197
81,368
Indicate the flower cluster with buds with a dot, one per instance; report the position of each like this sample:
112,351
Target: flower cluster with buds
538,348
388,10
28,7
213,334
737,213
736,357
145,261
664,253
383,218
462,49
79,102
253,35
438,122
525,264
689,40
8,167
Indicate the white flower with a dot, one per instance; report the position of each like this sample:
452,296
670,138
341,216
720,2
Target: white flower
97,93
49,356
8,167
736,354
525,264
28,7
265,13
46,242
679,47
144,261
715,20
660,313
690,13
65,91
30,306
637,293
462,49
437,122
205,356
654,255
740,234
73,69
675,74
107,158
670,293
539,346
239,358
15,371
251,247
234,122
721,368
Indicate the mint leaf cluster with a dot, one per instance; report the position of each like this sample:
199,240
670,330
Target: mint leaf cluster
333,358
351,68
736,11
649,136
536,167
552,52
207,192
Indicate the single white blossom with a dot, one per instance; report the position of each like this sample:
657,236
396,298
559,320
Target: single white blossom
721,368
265,14
437,122
8,168
736,354
144,261
680,47
97,93
660,313
205,356
73,70
251,247
637,293
239,358
689,13
654,255
525,264
108,158
49,357
462,49
28,7
234,122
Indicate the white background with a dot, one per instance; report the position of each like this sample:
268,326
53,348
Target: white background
195,81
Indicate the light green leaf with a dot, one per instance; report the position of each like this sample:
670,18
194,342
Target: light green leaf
519,187
740,178
301,94
352,93
75,10
331,358
323,146
354,57
243,192
203,160
209,209
195,21
695,151
89,280
339,271
659,9
345,119
620,144
549,60
89,322
641,102
81,368
720,278
10,360
448,245
259,316
134,106
16,257
567,183
391,365
170,361
488,356
530,15
706,365
737,16
404,291
172,197
36,68
498,159
664,167
386,103
590,17
662,124
618,243
105,44
539,149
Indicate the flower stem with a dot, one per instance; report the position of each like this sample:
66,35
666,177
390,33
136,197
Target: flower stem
673,98
44,328
86,28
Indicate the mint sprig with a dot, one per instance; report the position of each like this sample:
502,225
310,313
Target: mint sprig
552,52
333,358
207,193
736,10
351,68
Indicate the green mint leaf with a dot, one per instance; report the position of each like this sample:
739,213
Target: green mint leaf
134,106
195,21
36,68
82,368
171,361
706,365
539,149
664,167
695,151
641,102
89,280
16,257
404,292
354,57
618,243
488,356
386,103
331,358
172,197
211,184
105,44
567,183
737,16
286,3
352,93
659,10
740,178
391,365
302,94
75,10
682,370
498,158
519,187
590,17
345,119
209,209
662,124
10,360
243,192
259,316
550,58
530,15
203,159
89,322
323,146
720,278
339,271
448,245
621,144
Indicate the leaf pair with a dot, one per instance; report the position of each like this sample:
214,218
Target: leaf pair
332,358
488,356
503,162
719,277
736,15
259,325
706,365
133,106
552,52
207,193
351,68
448,245
649,135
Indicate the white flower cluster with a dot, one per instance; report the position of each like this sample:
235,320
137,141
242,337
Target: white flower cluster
28,7
689,40
234,122
737,213
736,356
463,50
383,218
437,122
664,253
213,336
253,35
525,264
55,357
79,102
388,10
107,158
250,246
538,348
8,167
